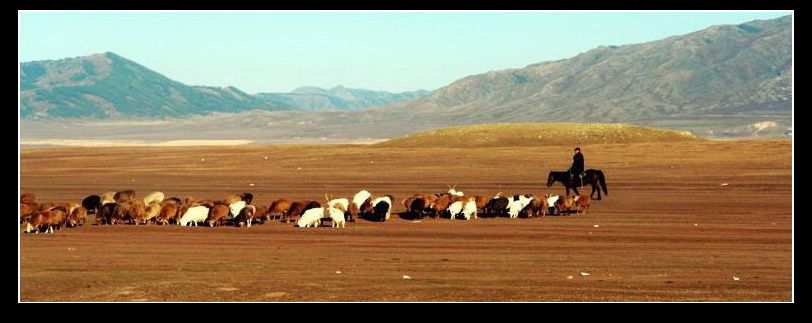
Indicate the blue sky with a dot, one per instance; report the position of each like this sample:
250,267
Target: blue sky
391,51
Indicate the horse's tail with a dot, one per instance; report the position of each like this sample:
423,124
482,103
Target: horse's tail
602,179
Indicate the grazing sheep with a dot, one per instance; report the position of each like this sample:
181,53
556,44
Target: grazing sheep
565,203
497,206
26,210
169,211
382,208
538,206
454,209
106,213
121,213
311,218
295,210
279,207
418,207
246,215
151,212
441,204
124,196
337,215
261,214
551,199
153,197
519,203
194,215
35,221
582,203
54,219
217,214
77,216
358,201
92,203
235,208
470,209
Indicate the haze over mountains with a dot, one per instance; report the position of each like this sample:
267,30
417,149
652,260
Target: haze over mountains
728,80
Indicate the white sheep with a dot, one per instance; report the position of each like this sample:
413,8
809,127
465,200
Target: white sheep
454,209
338,217
235,208
194,215
153,197
311,218
518,205
469,210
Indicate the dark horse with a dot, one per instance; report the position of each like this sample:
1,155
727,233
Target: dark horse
592,177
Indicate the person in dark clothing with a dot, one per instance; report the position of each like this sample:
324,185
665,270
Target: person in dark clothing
577,167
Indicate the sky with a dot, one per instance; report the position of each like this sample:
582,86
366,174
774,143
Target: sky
278,51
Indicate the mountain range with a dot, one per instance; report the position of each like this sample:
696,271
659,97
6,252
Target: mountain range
339,98
725,80
108,86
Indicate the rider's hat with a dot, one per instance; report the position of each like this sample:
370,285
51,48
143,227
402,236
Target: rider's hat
577,148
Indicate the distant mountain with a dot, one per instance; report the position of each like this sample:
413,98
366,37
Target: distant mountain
339,98
719,75
108,85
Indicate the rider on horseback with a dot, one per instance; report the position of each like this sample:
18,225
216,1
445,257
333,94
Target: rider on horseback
577,167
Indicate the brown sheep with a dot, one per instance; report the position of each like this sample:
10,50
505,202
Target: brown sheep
121,213
261,213
278,207
35,221
152,211
77,216
124,196
169,211
54,219
564,203
441,204
26,210
216,214
246,215
536,207
106,213
582,204
137,212
366,207
294,211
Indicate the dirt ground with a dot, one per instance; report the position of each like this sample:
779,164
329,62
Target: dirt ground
667,231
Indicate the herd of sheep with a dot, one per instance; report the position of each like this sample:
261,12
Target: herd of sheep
154,208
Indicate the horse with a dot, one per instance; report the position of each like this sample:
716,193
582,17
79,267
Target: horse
592,177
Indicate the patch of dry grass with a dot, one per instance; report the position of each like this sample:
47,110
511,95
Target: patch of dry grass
536,134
